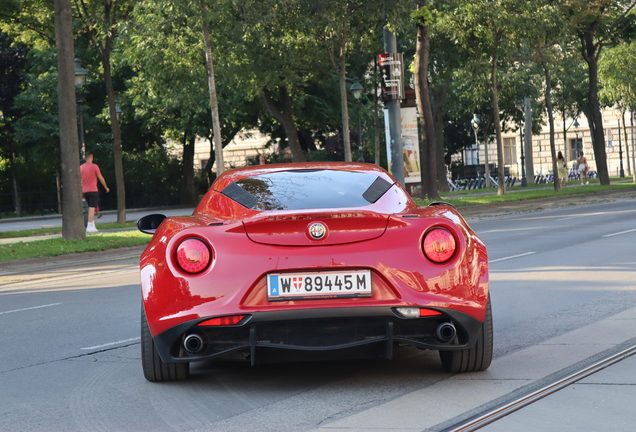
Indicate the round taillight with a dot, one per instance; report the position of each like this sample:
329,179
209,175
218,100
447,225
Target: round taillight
439,245
193,255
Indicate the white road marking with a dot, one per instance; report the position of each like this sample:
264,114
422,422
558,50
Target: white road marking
112,343
30,308
511,257
619,233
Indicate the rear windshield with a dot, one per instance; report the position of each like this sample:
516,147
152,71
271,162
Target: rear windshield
307,189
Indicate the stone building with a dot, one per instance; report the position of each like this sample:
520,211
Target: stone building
570,138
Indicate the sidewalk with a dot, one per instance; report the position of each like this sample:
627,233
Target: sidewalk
601,401
35,222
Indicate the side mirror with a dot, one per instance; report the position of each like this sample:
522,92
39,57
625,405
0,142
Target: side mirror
149,224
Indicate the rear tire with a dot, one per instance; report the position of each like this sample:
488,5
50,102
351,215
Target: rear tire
155,369
474,359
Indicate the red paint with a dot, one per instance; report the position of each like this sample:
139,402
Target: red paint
248,244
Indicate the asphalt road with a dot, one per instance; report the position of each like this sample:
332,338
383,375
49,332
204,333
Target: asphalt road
70,350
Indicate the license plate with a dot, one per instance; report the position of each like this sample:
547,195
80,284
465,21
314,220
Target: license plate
312,285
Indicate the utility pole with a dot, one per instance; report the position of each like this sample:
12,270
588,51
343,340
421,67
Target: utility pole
395,118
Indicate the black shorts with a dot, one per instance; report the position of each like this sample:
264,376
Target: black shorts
92,198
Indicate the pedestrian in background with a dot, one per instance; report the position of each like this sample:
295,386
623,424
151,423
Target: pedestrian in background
90,174
562,169
582,160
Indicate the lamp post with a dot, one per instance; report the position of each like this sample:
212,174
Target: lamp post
80,80
620,145
117,112
356,90
524,181
475,124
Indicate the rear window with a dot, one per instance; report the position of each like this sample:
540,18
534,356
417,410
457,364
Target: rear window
307,189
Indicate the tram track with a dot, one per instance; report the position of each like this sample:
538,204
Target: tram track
491,415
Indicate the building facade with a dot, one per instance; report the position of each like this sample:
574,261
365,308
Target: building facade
570,137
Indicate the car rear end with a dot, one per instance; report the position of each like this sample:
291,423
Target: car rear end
320,279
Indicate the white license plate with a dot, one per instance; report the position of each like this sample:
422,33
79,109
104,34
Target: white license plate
312,285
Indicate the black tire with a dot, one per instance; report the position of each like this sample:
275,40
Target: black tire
155,369
474,359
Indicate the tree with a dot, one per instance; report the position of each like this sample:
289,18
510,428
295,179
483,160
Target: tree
340,25
214,103
484,29
428,158
12,62
542,30
619,83
597,25
570,96
72,220
275,58
101,22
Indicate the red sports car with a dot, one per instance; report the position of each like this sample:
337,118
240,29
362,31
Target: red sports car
315,257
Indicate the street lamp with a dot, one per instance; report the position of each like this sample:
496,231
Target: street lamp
524,181
117,112
475,124
356,90
80,80
620,145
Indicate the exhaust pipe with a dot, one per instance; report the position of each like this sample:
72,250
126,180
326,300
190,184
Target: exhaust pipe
193,343
445,332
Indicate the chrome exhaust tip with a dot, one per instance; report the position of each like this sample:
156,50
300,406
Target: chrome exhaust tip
193,343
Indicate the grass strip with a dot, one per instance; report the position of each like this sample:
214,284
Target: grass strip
59,246
477,197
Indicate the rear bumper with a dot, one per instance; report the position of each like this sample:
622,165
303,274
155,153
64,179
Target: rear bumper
318,330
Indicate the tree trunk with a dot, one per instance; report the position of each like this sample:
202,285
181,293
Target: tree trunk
590,54
342,78
439,99
72,220
285,118
501,181
629,165
117,148
17,202
188,191
376,114
214,104
428,159
631,122
208,165
548,105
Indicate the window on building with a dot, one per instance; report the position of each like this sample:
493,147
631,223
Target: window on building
510,151
204,162
576,145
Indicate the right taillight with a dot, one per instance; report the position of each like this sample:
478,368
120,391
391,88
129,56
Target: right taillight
193,255
439,245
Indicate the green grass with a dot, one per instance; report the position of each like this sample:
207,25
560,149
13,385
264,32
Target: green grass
476,197
58,230
59,246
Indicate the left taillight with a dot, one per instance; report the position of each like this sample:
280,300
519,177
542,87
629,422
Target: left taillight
439,245
193,255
